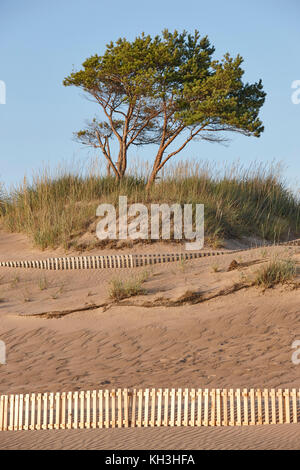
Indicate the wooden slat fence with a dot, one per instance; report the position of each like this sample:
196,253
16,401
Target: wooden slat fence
107,261
149,407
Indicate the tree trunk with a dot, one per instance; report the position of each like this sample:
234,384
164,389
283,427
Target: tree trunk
155,169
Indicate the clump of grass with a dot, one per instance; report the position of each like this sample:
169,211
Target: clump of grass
15,280
123,288
183,264
277,271
58,292
2,198
26,297
43,283
215,268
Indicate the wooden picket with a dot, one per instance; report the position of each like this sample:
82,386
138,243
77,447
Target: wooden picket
148,407
246,407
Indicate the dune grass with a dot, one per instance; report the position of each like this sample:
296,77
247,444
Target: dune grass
120,289
277,271
56,209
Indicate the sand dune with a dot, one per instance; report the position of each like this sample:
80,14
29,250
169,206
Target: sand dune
239,340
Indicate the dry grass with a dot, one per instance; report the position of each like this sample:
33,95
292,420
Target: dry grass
120,289
43,283
215,268
277,271
57,209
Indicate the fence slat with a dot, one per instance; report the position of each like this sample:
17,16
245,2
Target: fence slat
113,408
140,408
32,414
193,406
51,411
45,410
273,405
100,399
225,407
280,406
126,407
259,406
39,411
179,400
57,411
1,412
63,411
88,409
294,405
26,415
186,407
106,405
81,418
231,404
266,403
246,408
16,413
166,407
76,401
146,414
206,404
199,407
172,411
153,404
213,407
159,407
5,413
119,397
218,407
70,409
287,406
252,407
238,408
133,409
11,412
21,403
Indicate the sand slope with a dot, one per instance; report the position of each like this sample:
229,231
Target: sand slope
240,340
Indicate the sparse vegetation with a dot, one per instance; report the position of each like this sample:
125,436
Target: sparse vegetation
43,283
58,209
183,264
123,288
14,282
26,297
277,271
264,253
59,291
215,268
2,198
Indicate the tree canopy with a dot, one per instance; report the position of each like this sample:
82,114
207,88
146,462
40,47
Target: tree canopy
153,90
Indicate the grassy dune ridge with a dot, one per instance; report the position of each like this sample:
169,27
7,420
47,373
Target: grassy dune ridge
56,208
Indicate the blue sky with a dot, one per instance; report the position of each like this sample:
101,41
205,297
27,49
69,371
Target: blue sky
41,41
